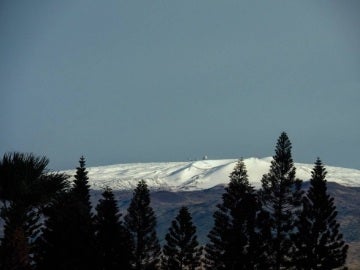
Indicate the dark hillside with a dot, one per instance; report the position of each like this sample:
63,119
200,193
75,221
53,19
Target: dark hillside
202,204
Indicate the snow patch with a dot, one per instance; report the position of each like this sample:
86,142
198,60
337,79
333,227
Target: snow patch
198,175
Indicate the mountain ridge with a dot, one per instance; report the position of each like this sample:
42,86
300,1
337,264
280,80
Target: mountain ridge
199,175
200,185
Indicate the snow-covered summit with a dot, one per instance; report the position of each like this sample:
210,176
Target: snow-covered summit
197,175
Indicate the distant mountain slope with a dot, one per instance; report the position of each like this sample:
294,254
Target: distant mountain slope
202,204
200,184
198,175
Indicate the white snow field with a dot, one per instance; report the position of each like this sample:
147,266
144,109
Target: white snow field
198,175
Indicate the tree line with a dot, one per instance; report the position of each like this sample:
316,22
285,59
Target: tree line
49,223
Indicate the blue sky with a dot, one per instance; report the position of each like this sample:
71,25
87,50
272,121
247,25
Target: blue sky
141,81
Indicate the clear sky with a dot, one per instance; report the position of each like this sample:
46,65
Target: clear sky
141,81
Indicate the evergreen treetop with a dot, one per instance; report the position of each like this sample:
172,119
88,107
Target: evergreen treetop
141,223
81,187
112,239
68,240
281,198
233,241
238,187
181,250
107,210
319,241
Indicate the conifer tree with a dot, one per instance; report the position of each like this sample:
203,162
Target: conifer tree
81,188
112,239
181,250
141,222
281,194
319,241
58,243
234,243
68,240
80,194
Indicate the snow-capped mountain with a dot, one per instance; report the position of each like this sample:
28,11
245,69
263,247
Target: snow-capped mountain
172,181
198,175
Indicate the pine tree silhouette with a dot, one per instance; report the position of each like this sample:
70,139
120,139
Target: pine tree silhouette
68,239
141,222
81,188
112,239
281,198
234,243
59,241
85,240
181,250
319,241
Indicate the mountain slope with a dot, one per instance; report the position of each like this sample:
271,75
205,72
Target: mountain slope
200,184
198,175
202,204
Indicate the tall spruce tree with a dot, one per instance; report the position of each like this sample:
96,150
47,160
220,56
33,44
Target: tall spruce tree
181,250
320,244
25,188
141,222
234,241
68,239
59,242
80,194
281,199
81,188
112,239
